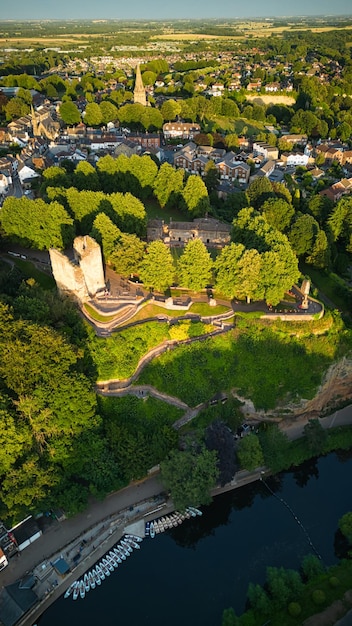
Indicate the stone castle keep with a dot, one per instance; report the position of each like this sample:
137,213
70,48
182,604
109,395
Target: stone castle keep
82,277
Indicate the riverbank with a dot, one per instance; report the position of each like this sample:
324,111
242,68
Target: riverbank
103,523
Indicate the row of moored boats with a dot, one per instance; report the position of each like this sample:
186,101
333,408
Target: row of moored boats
169,521
103,569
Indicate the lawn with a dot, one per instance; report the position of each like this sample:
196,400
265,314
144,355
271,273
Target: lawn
154,211
46,281
328,285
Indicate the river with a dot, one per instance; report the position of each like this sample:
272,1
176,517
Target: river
190,574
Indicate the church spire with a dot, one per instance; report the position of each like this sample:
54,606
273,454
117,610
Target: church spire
139,95
35,127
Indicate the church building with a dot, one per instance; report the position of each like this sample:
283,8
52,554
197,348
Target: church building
139,94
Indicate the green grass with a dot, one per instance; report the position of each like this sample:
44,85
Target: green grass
327,284
98,316
28,270
262,362
154,211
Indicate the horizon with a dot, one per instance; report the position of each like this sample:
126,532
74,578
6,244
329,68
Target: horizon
158,10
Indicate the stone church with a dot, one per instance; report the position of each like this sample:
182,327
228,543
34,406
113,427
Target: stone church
139,94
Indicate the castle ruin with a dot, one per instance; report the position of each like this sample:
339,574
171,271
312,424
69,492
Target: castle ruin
83,277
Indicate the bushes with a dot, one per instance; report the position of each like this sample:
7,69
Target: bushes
334,582
294,609
318,597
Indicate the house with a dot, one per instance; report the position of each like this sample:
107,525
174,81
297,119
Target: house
231,169
4,184
301,140
341,188
210,231
180,130
26,175
265,170
146,140
268,151
294,158
272,87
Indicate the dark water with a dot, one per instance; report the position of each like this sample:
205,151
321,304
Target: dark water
190,574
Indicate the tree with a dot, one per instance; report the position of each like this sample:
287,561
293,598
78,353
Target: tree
170,109
278,213
219,437
37,223
320,256
190,476
69,113
315,436
157,269
85,177
195,197
345,525
194,268
302,234
211,177
168,185
108,111
259,190
250,453
258,599
228,275
312,565
93,114
151,119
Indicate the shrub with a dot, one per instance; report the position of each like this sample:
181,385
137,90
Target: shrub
294,609
334,581
318,596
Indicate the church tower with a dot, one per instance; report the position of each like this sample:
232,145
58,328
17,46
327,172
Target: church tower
35,126
139,95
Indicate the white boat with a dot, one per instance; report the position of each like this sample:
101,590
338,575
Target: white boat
133,543
135,538
70,589
82,589
91,580
115,559
100,572
116,554
120,552
110,568
147,529
197,511
76,592
112,560
126,545
193,513
96,577
151,530
86,582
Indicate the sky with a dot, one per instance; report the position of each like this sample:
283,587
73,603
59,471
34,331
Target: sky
167,9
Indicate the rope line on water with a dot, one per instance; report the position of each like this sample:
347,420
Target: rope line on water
294,516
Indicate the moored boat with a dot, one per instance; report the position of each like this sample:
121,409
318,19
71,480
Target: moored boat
82,589
100,572
111,559
96,577
91,580
126,545
115,559
108,567
76,592
120,552
70,589
135,538
86,583
151,530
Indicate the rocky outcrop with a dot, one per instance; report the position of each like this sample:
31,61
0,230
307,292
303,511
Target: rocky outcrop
334,392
